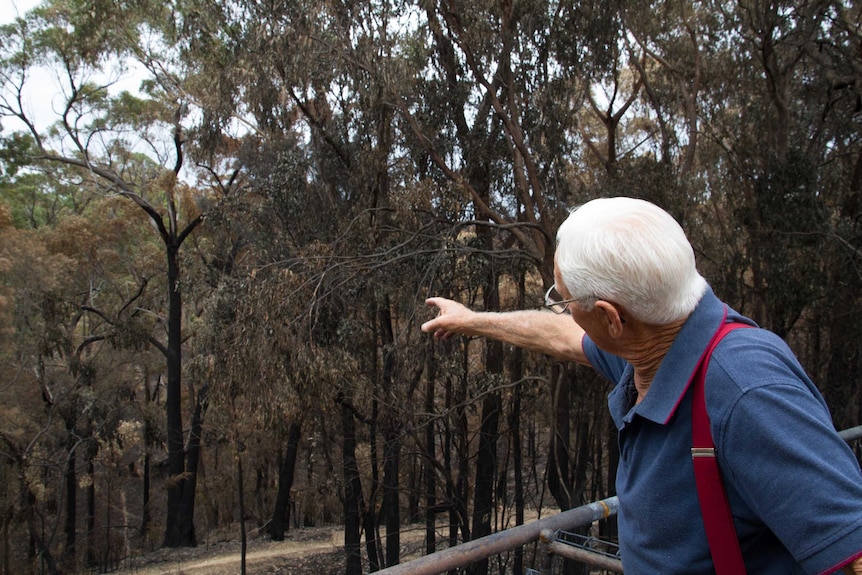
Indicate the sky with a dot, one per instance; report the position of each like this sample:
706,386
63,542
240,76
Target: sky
43,91
42,88
10,8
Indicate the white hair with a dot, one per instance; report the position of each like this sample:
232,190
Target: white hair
632,253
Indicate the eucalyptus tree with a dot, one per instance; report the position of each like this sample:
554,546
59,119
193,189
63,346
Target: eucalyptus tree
495,110
115,144
839,145
777,161
485,109
759,113
72,298
34,199
262,379
341,108
37,389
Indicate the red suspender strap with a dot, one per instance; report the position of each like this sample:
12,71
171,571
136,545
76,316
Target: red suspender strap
720,532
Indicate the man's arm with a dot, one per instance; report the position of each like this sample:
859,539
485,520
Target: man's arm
543,331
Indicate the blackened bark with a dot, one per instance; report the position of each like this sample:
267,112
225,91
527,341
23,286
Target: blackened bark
486,467
146,517
239,482
391,466
92,560
391,443
370,523
186,528
462,448
448,442
352,491
372,541
430,455
280,516
7,551
176,532
462,486
71,480
517,457
559,465
486,457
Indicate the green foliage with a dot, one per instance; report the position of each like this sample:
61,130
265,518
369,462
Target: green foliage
590,43
15,150
88,32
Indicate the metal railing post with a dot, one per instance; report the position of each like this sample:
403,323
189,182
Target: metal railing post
546,538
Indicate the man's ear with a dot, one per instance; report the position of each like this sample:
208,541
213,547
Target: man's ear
613,316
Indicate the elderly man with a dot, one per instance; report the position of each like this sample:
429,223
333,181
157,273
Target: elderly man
643,318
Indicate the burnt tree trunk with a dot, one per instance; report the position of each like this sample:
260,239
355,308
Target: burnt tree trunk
177,532
352,493
430,455
559,464
185,528
517,370
241,493
71,484
391,442
280,516
486,457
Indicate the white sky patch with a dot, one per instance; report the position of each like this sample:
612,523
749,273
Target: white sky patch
11,9
43,91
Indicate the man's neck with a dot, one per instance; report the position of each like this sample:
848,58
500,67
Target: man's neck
646,352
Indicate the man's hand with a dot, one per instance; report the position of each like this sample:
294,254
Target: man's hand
451,319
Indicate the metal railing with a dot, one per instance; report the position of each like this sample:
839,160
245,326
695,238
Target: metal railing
602,554
550,531
502,541
851,433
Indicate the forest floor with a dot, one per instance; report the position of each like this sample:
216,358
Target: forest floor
304,551
318,550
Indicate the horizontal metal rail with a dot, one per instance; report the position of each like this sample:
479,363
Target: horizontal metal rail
587,542
851,433
566,549
502,541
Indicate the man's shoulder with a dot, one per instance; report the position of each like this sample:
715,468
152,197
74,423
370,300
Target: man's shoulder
755,369
751,356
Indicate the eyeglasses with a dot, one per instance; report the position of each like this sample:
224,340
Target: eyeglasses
554,302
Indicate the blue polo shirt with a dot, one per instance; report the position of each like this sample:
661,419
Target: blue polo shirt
794,486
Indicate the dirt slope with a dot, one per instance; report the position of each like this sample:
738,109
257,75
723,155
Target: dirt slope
303,551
